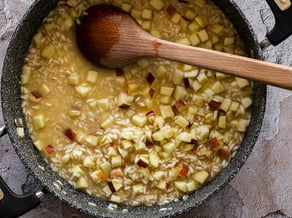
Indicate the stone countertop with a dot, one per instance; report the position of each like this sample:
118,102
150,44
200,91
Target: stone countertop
262,188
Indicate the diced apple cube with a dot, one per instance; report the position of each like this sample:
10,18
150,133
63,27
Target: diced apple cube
138,188
185,137
194,27
246,102
112,151
166,90
176,18
116,161
201,176
123,99
38,39
169,147
48,51
217,28
170,133
173,173
188,147
74,79
190,14
191,73
157,4
166,111
163,185
44,90
143,161
154,159
177,77
184,41
165,99
123,152
182,122
214,38
83,90
191,186
107,190
65,158
136,13
209,92
91,140
202,21
26,73
229,41
202,78
88,162
38,121
203,35
127,145
117,184
39,145
99,175
161,71
204,131
106,168
181,186
143,62
155,33
77,171
81,183
108,123
147,14
126,7
180,92
192,110
225,105
140,146
103,103
218,87
222,122
158,175
116,198
120,81
146,25
194,39
242,82
158,121
20,132
139,120
91,76
242,125
133,88
196,85
158,136
77,154
184,24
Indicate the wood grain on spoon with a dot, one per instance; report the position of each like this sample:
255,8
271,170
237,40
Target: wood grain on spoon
109,37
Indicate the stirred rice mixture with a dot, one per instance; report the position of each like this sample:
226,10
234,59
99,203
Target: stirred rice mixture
147,133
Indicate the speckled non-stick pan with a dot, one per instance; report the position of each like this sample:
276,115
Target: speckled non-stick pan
53,183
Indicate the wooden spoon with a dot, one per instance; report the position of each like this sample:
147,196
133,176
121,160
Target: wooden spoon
109,37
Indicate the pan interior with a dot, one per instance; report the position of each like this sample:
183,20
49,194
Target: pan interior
12,109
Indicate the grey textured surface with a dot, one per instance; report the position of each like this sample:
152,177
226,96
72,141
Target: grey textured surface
263,187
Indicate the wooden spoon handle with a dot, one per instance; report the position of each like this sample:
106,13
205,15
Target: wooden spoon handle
252,69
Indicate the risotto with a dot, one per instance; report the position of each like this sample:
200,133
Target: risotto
145,134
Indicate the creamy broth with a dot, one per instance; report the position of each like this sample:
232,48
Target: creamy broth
148,133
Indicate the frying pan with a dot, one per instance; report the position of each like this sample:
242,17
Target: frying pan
53,183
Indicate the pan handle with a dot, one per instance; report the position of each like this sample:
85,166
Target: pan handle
282,10
13,205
